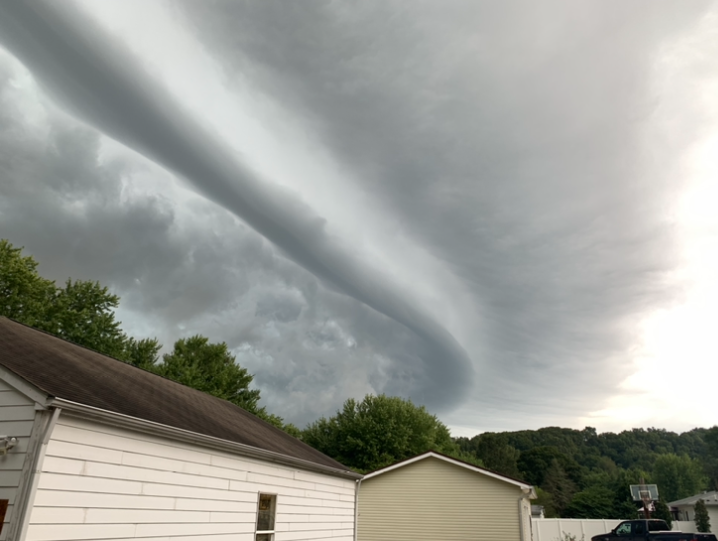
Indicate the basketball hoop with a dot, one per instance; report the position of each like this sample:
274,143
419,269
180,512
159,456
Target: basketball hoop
647,494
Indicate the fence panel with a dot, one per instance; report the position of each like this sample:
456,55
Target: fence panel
687,526
553,529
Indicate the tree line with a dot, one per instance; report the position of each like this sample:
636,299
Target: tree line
584,474
578,473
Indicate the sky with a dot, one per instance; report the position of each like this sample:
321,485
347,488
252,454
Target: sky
502,211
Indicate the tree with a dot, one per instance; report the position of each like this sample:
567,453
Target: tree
81,311
592,502
209,368
24,294
559,485
545,500
703,523
662,512
710,460
677,476
496,454
378,431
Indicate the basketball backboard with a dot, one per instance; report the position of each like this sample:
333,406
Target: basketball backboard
641,493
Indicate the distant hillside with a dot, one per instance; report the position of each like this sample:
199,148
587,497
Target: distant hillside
583,474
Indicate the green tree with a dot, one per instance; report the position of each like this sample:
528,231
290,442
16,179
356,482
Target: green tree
209,368
592,502
662,512
710,459
545,499
703,523
378,431
677,476
24,295
82,312
497,455
561,487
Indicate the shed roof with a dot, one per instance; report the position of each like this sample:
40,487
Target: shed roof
73,373
454,461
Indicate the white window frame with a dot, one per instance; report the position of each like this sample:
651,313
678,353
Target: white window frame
271,532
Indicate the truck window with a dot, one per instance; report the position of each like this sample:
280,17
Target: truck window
639,528
658,526
624,529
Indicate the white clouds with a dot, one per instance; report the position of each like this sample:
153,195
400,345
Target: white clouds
676,364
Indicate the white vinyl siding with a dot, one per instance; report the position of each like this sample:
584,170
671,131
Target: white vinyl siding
433,500
17,416
101,482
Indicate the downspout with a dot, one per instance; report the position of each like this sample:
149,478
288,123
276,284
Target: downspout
36,469
356,509
525,495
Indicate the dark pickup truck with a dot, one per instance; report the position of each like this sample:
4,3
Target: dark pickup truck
649,530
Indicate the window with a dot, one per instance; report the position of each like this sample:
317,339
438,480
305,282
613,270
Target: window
639,528
265,517
624,529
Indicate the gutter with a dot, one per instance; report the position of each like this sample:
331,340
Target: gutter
187,436
356,509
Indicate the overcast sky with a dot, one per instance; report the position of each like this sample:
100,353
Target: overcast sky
505,211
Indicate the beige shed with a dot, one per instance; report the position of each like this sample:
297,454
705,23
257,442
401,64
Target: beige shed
434,497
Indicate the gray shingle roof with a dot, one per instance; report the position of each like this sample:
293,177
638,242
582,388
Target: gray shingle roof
710,498
71,372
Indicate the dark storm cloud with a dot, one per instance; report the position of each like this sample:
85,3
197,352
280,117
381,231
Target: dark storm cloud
186,268
103,85
507,138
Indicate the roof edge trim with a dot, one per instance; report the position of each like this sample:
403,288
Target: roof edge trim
431,454
186,436
24,387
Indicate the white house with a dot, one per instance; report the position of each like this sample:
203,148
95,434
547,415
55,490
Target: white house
684,510
93,448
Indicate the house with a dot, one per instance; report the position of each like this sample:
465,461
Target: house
433,496
684,510
93,448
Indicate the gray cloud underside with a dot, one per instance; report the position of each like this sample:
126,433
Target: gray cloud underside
101,84
186,267
509,139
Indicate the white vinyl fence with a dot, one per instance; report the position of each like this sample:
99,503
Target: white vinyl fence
553,529
684,526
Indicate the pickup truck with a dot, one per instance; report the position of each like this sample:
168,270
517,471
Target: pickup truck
649,530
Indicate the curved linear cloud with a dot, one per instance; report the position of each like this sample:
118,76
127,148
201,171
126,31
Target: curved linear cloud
102,84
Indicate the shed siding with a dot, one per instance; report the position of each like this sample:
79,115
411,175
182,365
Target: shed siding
17,417
103,482
432,499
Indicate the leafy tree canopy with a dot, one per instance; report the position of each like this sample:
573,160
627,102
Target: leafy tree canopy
377,432
677,476
210,368
81,311
592,502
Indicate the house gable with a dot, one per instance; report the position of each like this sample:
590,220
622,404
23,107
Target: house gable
433,498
